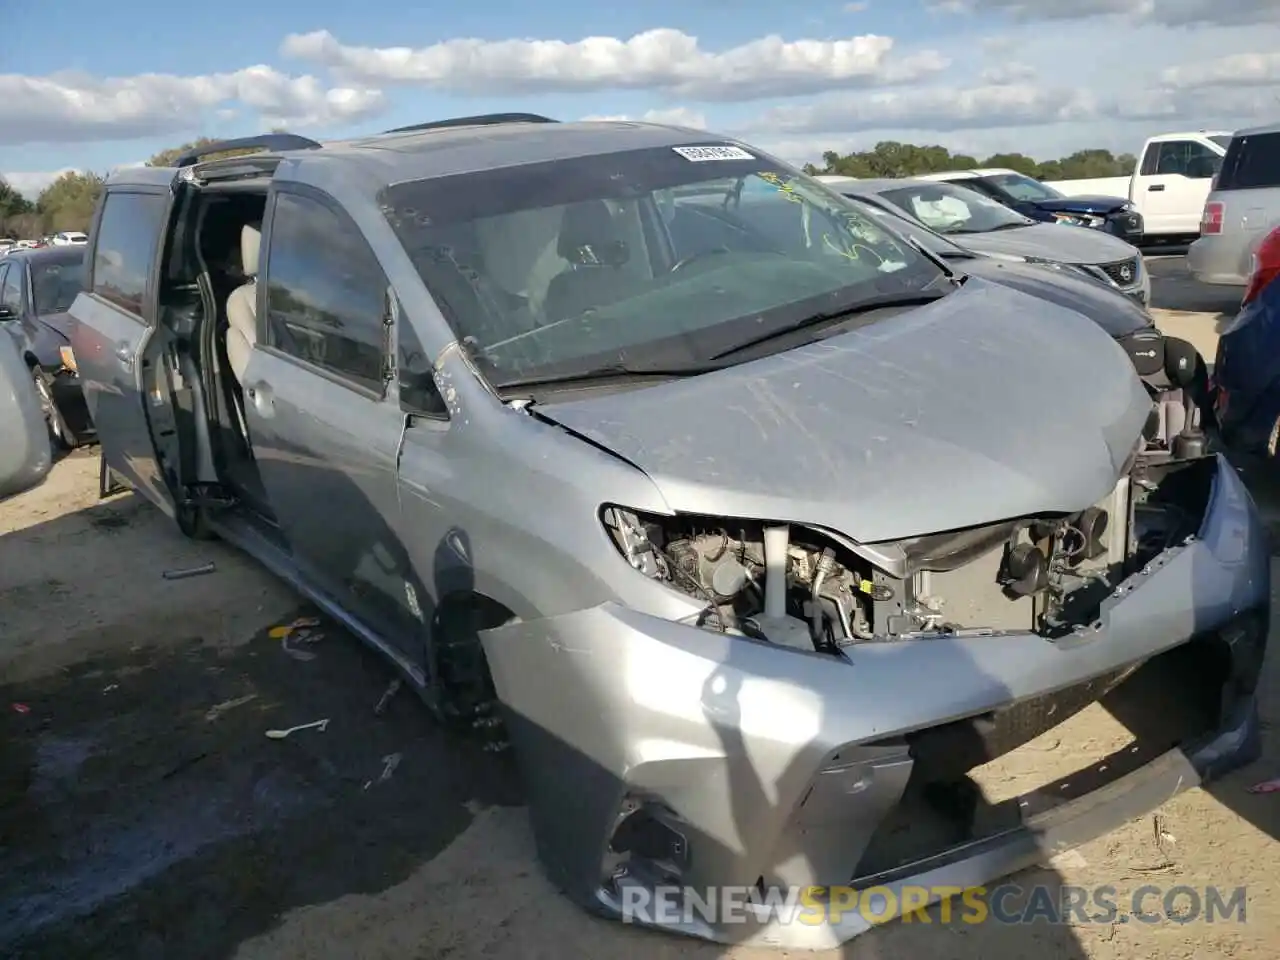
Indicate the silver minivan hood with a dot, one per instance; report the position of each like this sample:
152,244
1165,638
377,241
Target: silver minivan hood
987,405
1051,241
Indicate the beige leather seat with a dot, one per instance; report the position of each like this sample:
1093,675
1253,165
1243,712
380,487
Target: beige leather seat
242,305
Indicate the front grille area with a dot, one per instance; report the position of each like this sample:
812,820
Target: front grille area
1122,272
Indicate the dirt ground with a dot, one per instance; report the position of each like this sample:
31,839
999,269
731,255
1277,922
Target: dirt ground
144,814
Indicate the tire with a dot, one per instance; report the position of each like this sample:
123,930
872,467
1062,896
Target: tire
60,433
193,522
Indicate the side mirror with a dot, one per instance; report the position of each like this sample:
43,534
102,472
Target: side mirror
420,396
25,452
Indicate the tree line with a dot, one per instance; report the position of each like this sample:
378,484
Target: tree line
68,202
892,159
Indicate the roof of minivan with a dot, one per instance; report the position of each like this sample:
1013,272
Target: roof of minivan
441,152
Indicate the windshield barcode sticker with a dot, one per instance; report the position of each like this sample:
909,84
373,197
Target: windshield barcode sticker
699,154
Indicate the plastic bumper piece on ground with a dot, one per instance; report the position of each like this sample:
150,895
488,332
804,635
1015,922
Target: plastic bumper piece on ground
756,765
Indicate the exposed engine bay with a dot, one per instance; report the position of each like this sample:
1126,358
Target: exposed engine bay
813,590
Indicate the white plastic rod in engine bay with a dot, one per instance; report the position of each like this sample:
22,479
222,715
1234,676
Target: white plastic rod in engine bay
777,541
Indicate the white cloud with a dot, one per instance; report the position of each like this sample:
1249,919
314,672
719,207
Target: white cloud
69,107
1177,13
674,116
662,59
1010,71
32,184
1237,69
856,7
932,108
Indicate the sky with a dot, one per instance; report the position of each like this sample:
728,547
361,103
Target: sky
1041,77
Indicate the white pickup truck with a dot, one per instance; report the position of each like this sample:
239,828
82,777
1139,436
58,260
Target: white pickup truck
1169,187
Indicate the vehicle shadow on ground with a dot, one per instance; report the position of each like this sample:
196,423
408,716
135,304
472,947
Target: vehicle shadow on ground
145,813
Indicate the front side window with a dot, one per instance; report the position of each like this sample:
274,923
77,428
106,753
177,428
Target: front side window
11,289
950,209
55,284
326,293
655,256
125,250
1188,158
1021,187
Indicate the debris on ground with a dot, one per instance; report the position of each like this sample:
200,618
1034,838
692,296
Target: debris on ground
318,725
384,701
292,635
219,709
285,630
21,708
389,764
1266,786
188,572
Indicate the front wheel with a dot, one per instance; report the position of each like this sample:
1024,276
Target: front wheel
193,521
61,434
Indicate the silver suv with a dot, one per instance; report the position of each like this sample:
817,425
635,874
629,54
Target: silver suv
1243,207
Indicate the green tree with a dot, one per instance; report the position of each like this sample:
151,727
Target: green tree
68,202
16,213
892,159
12,203
1013,161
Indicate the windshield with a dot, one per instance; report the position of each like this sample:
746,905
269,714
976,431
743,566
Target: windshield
947,208
896,223
1222,140
55,284
1021,187
656,256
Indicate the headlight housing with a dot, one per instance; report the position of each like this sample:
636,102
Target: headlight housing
1079,219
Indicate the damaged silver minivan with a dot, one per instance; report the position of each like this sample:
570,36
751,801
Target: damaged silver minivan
755,526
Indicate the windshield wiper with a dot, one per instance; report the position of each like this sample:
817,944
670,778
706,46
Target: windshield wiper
607,372
1010,226
817,319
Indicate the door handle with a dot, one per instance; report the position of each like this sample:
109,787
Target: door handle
1155,188
124,353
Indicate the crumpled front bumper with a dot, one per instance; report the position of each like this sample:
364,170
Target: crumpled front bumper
770,766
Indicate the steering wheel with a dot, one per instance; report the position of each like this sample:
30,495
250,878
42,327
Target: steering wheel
698,255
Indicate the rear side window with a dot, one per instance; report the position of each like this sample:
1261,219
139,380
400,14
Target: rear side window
1252,162
326,292
125,249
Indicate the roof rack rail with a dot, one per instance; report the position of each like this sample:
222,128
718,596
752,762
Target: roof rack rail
274,142
483,120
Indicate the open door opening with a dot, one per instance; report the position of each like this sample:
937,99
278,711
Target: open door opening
194,398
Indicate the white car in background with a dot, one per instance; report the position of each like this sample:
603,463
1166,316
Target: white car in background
68,238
